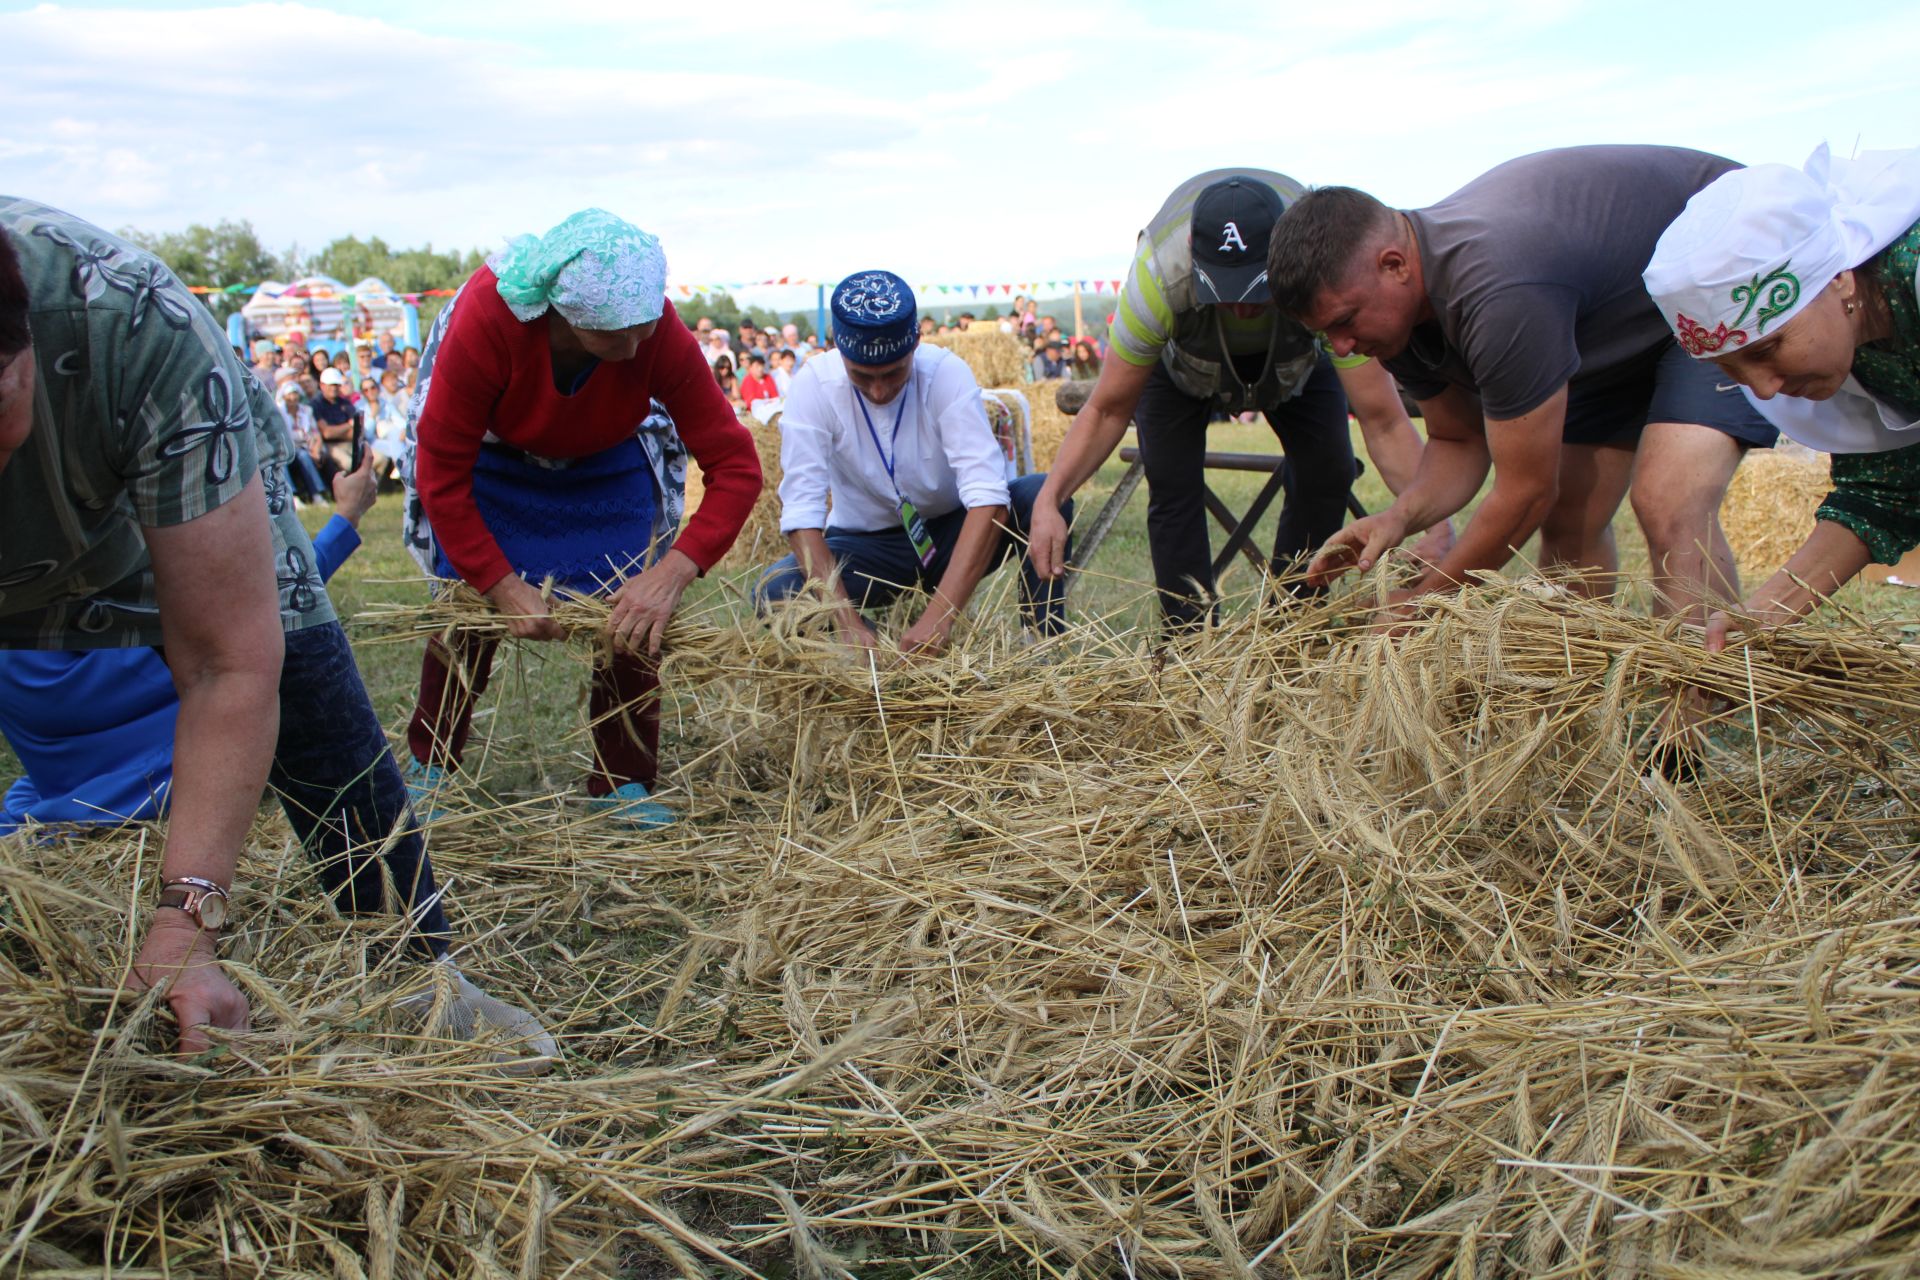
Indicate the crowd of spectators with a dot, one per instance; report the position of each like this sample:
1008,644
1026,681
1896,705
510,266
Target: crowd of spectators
755,363
342,399
339,404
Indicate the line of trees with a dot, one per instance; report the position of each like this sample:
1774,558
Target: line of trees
230,253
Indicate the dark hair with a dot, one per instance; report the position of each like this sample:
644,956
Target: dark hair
14,335
1314,244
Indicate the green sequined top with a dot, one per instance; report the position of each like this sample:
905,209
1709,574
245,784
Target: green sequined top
1877,495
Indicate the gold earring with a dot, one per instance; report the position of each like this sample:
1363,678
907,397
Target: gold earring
1848,304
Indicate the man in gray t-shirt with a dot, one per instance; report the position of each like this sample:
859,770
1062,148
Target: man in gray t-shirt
1514,312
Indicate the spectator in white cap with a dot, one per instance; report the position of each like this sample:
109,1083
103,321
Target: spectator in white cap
338,423
1800,284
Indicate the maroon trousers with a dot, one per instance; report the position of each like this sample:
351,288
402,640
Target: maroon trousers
623,703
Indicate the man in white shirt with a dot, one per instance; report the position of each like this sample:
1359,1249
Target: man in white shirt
893,435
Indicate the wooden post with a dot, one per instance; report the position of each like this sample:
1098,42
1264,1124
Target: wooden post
1079,323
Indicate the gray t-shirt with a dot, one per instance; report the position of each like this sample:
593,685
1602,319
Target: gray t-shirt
1533,270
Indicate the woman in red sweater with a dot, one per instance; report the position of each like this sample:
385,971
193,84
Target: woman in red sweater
554,394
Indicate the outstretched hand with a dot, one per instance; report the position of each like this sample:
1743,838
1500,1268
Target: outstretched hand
1047,540
355,491
644,604
524,609
177,957
1357,546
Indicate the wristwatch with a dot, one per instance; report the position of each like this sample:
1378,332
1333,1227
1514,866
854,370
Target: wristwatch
204,900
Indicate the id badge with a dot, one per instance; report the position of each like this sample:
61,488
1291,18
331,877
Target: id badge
917,533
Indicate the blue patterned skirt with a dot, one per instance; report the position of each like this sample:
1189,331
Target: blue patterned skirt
585,522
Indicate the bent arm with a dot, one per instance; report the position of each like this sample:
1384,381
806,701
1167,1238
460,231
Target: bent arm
1392,443
972,555
220,619
1096,429
1825,562
1525,455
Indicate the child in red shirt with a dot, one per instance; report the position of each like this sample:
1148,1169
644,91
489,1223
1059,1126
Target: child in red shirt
758,384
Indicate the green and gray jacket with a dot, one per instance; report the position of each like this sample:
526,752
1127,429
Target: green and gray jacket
1159,319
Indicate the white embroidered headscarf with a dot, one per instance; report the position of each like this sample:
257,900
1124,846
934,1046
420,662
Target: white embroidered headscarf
1755,246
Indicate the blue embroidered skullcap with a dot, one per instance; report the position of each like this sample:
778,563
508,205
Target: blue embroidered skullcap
875,320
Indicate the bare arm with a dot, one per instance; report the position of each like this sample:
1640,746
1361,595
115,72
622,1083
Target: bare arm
1392,443
220,619
1825,562
1452,465
1090,441
816,561
979,537
1525,454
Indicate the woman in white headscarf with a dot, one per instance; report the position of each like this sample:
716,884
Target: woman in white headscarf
1800,284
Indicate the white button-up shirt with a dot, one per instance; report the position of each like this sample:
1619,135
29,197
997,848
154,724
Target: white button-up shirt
944,456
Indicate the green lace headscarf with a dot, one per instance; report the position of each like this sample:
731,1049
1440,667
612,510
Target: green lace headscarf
596,270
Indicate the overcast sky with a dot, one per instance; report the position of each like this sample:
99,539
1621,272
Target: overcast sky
990,140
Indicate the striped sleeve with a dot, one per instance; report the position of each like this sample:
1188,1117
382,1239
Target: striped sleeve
1143,322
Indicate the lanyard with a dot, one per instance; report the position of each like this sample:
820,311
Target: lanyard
898,416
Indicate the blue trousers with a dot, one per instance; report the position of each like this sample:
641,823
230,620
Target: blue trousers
877,566
342,790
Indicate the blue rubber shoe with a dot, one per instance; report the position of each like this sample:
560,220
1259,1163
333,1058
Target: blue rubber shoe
423,784
631,803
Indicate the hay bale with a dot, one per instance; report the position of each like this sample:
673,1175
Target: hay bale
997,359
760,541
1049,423
1769,507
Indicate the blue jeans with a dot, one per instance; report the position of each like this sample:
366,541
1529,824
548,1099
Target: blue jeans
341,788
876,567
305,478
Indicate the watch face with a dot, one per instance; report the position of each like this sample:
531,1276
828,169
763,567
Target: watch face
213,911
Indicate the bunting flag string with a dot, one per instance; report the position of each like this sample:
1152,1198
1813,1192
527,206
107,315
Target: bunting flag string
700,290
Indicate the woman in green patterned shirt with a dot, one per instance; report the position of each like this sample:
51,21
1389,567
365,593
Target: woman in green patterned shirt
1800,285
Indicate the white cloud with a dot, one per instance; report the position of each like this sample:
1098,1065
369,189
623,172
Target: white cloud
984,140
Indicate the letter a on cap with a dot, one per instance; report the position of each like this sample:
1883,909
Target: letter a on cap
1233,240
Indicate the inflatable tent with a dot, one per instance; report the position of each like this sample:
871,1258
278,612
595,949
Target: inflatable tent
329,312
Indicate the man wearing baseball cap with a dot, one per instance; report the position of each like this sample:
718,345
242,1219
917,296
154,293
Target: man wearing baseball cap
892,434
1196,335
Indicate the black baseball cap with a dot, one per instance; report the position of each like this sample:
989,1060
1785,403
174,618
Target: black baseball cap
1232,222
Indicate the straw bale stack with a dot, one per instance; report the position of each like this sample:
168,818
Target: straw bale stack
997,359
1285,950
1768,511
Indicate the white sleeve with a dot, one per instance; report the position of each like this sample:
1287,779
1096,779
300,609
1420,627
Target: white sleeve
806,443
979,468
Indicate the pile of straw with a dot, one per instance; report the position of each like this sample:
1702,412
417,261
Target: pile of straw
1285,950
1769,507
997,359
